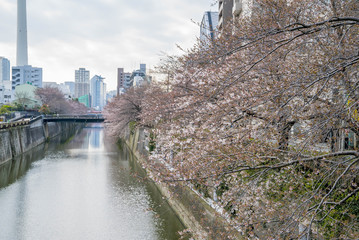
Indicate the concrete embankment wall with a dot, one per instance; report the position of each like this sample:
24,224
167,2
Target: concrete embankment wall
195,213
18,140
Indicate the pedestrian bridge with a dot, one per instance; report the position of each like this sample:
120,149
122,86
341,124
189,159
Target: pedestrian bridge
85,118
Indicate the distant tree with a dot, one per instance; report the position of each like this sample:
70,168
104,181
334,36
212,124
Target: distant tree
76,107
124,109
55,102
44,109
23,100
53,98
5,109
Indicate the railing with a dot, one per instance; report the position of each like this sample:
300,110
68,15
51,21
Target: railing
23,121
91,116
75,118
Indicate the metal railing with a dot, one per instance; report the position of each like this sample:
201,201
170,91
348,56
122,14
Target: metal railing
26,120
76,118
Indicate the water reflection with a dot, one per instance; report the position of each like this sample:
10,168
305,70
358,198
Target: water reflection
84,189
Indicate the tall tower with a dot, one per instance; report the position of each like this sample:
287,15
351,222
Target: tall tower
21,54
24,73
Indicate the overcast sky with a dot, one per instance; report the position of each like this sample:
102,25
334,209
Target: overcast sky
100,35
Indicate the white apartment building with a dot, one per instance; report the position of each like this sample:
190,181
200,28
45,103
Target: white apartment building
82,82
26,75
6,94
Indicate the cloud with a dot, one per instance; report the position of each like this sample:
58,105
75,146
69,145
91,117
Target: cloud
100,35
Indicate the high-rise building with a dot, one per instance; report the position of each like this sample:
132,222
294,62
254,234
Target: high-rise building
82,82
5,83
208,27
139,78
98,92
127,82
122,80
225,14
143,68
26,75
231,11
4,69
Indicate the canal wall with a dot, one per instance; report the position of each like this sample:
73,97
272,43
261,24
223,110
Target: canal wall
194,212
18,140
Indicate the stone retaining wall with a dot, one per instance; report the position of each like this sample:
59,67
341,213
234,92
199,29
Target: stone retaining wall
18,140
195,213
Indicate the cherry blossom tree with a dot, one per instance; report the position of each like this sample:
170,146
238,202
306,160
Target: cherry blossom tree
263,113
262,120
54,101
123,110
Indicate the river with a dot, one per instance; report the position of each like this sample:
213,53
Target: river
85,188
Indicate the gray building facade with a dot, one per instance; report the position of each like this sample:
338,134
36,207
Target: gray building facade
225,14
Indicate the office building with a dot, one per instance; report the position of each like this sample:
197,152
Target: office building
139,78
127,82
4,69
6,94
82,82
143,68
123,80
120,79
98,92
208,29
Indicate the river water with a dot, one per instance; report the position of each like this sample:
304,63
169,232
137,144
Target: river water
86,188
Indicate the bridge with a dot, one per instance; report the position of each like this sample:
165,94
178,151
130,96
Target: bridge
26,120
85,118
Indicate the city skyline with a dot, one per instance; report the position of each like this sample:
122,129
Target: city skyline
100,35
